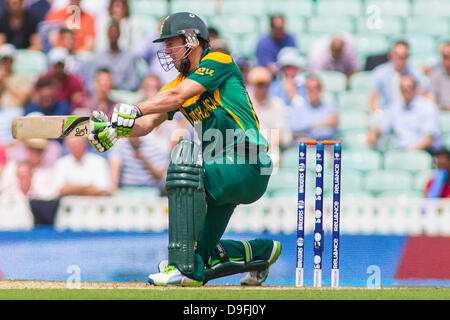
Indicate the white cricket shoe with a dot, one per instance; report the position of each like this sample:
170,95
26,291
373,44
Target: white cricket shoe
171,276
256,278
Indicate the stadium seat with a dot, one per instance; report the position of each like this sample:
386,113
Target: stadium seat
200,7
353,120
333,81
425,60
412,161
361,81
30,62
297,25
326,25
143,26
428,25
444,119
290,8
431,8
289,158
351,100
237,24
446,140
284,181
421,44
404,194
351,180
382,181
386,25
399,8
155,8
371,44
353,139
253,7
235,44
339,8
145,192
421,178
305,40
362,160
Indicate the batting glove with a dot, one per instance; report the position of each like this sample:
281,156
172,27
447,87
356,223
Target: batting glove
103,136
123,118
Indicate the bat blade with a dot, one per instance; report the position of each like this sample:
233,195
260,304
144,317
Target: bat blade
51,127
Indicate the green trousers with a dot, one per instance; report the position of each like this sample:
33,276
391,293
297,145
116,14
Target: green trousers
228,185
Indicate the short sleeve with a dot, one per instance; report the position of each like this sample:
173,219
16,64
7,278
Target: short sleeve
212,72
171,114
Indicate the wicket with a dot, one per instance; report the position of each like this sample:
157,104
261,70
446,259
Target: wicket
318,212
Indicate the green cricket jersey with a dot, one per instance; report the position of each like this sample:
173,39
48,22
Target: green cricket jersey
225,104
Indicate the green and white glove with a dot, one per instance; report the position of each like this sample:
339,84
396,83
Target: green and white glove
103,136
123,118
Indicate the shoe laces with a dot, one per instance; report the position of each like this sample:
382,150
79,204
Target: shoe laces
169,269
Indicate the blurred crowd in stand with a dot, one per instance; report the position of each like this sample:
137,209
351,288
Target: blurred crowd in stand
94,54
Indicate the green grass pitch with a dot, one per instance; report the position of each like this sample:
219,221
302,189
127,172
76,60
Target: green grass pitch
13,290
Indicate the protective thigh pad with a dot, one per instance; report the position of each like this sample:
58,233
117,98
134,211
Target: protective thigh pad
187,203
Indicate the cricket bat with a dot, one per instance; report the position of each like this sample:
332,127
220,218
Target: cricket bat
54,127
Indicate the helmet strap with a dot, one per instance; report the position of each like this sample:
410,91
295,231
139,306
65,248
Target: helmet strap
185,65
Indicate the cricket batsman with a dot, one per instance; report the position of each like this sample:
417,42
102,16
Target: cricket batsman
204,182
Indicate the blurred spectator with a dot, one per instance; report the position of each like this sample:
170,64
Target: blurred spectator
18,26
290,81
213,33
2,7
39,8
271,111
17,151
150,85
75,62
386,78
438,186
82,173
97,8
122,64
219,45
139,162
311,117
270,45
74,17
333,53
69,87
440,79
3,157
46,100
15,186
42,184
130,33
147,50
244,66
216,42
42,190
15,88
414,123
100,99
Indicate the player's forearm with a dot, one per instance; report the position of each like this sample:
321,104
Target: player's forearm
144,125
